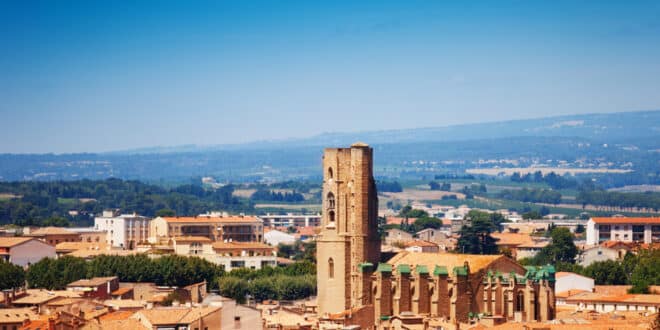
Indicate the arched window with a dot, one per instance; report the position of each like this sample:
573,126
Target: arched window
330,174
331,268
520,302
331,201
331,216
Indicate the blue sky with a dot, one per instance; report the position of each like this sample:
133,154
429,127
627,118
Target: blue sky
108,75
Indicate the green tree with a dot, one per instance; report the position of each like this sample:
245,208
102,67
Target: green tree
475,238
607,272
11,276
561,247
165,213
646,272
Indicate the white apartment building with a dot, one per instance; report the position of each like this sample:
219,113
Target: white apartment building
123,230
623,229
291,220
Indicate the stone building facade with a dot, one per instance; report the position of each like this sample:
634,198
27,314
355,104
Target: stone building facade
349,225
412,290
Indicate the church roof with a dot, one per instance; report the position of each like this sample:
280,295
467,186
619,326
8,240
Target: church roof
448,260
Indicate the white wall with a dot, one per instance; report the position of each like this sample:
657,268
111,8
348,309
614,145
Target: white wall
574,282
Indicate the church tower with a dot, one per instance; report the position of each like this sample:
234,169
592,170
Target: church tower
349,228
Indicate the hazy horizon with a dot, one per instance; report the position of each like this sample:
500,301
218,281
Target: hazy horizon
104,76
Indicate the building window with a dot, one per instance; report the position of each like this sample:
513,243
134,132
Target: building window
520,302
331,268
331,201
330,174
331,216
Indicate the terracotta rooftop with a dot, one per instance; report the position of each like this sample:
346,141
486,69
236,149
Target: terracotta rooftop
240,246
449,260
39,296
73,246
122,291
50,231
421,243
626,220
118,315
538,245
123,303
205,219
7,242
174,315
512,238
16,315
568,293
96,281
308,231
124,324
590,297
191,239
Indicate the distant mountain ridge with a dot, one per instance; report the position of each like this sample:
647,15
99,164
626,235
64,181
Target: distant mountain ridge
629,140
598,127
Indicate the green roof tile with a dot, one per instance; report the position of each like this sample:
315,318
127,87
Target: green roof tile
403,269
421,269
365,267
384,268
461,271
440,270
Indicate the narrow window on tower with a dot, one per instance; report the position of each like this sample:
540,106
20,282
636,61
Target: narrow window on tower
331,268
331,201
330,173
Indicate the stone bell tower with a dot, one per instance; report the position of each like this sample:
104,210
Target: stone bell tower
349,228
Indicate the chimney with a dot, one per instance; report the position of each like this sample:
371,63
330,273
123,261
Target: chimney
51,323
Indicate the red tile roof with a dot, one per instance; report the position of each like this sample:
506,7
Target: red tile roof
205,219
626,220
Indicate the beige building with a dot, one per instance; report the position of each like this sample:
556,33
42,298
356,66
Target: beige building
25,250
229,255
349,225
180,318
216,228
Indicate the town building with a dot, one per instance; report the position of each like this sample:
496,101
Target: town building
568,284
397,236
290,220
52,235
348,236
625,229
600,253
97,287
23,251
412,290
13,318
229,255
421,246
238,228
125,231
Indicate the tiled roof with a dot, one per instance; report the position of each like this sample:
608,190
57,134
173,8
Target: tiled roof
39,296
449,260
122,291
240,246
421,243
626,220
73,246
307,231
7,242
568,293
50,231
124,324
16,315
96,281
511,238
174,315
191,239
652,299
118,315
123,303
229,219
534,245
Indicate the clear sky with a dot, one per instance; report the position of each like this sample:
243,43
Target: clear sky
108,75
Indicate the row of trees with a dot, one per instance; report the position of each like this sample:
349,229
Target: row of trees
277,196
388,186
292,282
552,179
532,195
445,186
37,202
649,200
170,270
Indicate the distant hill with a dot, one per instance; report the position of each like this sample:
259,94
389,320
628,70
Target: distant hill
629,140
